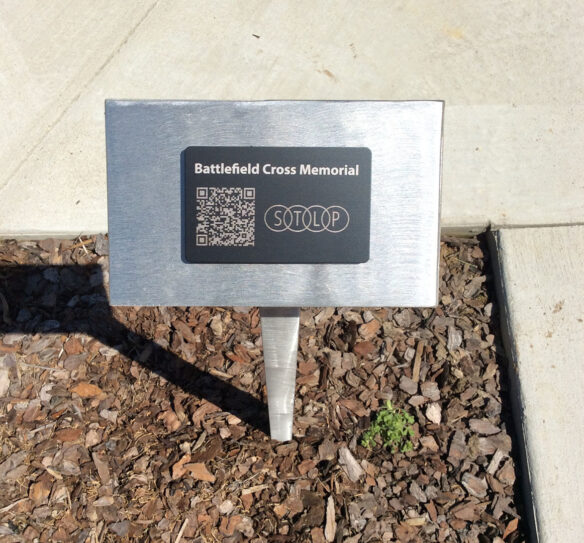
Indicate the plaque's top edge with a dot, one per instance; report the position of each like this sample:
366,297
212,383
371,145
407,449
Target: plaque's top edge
129,102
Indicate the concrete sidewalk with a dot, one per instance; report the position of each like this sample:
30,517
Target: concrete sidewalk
510,77
542,294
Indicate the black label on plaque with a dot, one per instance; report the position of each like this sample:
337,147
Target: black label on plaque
286,205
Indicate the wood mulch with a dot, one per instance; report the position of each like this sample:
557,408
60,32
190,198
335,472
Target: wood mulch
149,424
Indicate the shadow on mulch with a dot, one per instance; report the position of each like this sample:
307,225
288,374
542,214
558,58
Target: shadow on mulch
91,314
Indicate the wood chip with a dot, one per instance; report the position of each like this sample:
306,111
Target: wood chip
507,473
483,427
431,508
417,492
179,469
253,489
317,535
417,361
39,491
104,501
226,507
364,348
331,524
474,485
305,466
495,461
280,510
68,434
457,449
488,445
429,443
434,413
102,465
73,346
510,528
369,330
465,511
350,465
199,472
170,420
4,382
87,390
430,390
408,385
327,450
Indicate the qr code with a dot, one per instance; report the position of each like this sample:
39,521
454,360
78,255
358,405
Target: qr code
225,217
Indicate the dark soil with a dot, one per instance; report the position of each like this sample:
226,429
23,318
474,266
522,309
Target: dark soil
150,424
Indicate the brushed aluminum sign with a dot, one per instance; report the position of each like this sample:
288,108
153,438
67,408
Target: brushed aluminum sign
284,205
160,178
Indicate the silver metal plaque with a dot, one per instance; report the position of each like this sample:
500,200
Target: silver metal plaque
145,145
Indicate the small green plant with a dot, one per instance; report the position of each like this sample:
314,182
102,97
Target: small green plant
395,428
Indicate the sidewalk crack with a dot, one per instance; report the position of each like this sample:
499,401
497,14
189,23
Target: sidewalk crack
52,125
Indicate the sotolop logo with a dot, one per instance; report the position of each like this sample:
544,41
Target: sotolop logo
298,218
